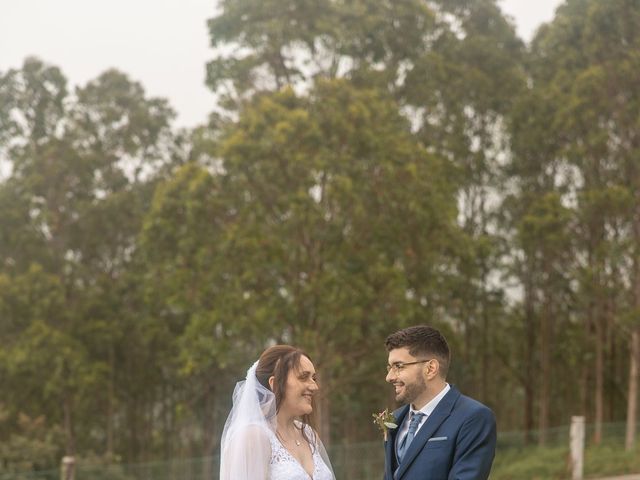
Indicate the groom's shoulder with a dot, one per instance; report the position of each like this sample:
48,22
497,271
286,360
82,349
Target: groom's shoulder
464,401
473,406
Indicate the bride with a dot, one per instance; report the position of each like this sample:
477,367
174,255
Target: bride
267,435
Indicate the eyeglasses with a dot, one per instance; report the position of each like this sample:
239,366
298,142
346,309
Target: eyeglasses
399,366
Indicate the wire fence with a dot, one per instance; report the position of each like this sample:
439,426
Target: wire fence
361,461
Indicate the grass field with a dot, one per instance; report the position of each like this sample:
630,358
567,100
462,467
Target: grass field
550,463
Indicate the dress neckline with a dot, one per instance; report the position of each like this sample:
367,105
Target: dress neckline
313,460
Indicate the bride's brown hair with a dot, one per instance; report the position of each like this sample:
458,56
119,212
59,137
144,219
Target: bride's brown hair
277,362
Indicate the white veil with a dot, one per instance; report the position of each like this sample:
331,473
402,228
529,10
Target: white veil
246,450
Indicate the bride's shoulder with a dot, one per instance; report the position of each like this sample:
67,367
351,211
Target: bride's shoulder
311,434
250,434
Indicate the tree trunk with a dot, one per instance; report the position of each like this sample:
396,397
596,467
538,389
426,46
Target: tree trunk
632,399
485,378
68,425
210,434
613,378
530,379
165,400
485,388
323,415
110,402
545,377
584,389
632,404
599,372
133,419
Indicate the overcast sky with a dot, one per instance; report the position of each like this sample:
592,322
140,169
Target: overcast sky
161,43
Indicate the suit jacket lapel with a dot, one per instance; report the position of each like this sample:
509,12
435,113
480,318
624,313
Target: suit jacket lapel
391,459
431,425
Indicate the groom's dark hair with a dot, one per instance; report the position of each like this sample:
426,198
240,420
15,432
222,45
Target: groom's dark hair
422,341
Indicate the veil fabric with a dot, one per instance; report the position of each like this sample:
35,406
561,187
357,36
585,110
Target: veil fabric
245,444
325,456
246,450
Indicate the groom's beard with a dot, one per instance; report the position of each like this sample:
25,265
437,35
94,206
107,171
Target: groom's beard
412,390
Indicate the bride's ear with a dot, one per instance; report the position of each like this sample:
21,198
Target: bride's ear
272,381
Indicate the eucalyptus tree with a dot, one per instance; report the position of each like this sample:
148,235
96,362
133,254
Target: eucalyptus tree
537,221
81,170
585,57
453,69
325,225
460,89
127,140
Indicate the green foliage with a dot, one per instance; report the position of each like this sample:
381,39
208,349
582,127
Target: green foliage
32,100
27,443
300,238
72,208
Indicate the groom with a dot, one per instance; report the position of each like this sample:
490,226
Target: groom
441,434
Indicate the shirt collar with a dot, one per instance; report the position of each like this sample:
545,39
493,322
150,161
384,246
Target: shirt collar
431,406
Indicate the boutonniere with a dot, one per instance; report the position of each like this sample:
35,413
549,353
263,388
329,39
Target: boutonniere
385,422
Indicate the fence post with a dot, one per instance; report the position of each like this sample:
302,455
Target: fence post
68,468
577,447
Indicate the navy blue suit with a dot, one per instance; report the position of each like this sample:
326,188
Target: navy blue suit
456,442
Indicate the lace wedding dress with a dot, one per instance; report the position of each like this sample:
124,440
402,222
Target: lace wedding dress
283,466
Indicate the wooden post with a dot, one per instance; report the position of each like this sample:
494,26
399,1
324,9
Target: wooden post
68,468
577,448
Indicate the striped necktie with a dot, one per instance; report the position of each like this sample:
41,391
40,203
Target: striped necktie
408,438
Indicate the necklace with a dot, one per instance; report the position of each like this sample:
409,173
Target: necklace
295,440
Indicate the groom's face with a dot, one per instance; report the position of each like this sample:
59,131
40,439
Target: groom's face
408,381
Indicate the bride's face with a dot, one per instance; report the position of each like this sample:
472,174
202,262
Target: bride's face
300,389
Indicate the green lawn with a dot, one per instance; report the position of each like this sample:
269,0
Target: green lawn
549,463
